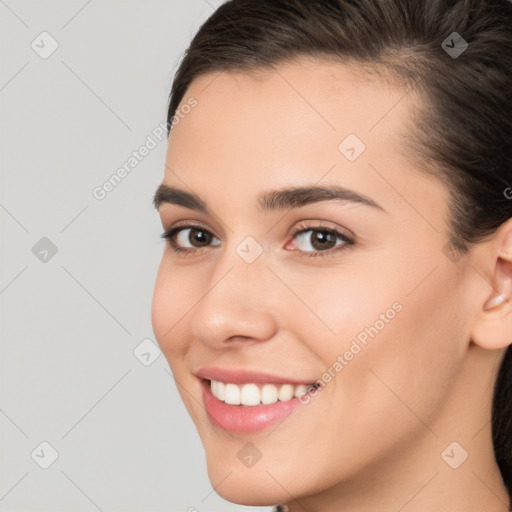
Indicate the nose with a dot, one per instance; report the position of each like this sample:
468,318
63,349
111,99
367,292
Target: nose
237,306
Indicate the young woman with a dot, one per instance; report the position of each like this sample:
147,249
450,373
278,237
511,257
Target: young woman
334,297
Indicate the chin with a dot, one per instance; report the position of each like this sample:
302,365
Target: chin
246,486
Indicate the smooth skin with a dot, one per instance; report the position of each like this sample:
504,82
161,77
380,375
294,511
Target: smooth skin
375,437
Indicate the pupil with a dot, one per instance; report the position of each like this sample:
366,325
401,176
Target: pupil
323,240
198,237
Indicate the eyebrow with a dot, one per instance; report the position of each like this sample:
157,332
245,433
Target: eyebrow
286,198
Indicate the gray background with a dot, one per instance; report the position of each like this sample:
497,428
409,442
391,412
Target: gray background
72,320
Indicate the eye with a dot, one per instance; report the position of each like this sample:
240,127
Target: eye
189,238
311,241
316,240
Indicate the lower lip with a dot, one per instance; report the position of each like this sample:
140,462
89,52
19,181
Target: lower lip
241,419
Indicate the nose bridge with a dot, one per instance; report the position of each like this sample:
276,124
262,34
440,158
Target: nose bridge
241,270
236,300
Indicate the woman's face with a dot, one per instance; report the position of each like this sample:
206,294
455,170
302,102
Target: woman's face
354,283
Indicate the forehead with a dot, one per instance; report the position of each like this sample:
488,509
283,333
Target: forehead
293,107
321,90
289,125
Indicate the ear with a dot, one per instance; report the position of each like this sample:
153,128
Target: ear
492,328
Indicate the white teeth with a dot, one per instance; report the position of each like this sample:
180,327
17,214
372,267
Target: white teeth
268,394
285,392
252,395
300,390
232,394
249,394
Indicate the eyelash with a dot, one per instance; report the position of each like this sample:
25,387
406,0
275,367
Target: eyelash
170,236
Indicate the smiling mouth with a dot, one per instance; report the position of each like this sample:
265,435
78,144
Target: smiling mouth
255,394
250,407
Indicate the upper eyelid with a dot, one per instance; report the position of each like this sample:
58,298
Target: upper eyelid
190,225
316,224
294,231
302,226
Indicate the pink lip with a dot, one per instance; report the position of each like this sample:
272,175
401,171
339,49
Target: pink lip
246,376
241,419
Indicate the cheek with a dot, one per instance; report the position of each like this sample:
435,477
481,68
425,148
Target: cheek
385,342
173,299
410,361
333,307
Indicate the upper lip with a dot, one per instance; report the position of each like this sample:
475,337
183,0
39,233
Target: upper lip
239,376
